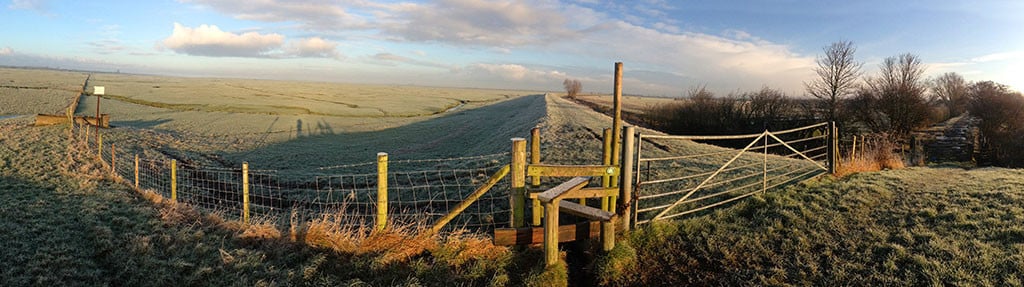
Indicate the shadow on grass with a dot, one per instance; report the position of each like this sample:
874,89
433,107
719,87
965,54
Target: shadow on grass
483,130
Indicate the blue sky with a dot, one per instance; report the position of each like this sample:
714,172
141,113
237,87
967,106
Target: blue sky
667,46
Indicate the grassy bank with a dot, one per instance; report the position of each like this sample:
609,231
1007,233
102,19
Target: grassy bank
67,224
915,226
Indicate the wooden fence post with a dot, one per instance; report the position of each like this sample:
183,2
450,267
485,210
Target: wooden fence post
382,191
608,235
626,171
853,153
99,144
537,210
245,192
607,160
518,192
113,159
174,180
136,171
551,232
832,146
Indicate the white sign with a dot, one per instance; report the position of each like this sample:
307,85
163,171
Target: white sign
97,90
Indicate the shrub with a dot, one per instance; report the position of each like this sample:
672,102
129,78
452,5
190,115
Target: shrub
1002,121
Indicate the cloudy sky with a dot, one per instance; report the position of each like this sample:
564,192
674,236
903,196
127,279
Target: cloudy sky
667,46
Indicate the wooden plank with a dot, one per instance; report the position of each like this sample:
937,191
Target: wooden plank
589,192
556,192
552,170
470,199
584,211
535,235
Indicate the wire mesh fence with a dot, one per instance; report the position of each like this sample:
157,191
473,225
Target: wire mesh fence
417,191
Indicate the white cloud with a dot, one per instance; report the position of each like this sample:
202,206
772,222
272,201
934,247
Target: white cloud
314,15
514,72
209,40
6,51
36,5
314,47
651,41
1004,56
389,58
477,22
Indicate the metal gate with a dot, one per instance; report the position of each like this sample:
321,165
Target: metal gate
679,175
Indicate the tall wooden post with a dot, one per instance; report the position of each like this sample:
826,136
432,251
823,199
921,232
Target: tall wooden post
537,210
245,192
517,195
382,191
626,187
617,120
174,180
606,160
136,171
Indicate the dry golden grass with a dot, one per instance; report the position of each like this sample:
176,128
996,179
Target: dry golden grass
874,158
396,243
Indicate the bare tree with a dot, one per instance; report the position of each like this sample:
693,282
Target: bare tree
950,89
837,76
895,98
572,87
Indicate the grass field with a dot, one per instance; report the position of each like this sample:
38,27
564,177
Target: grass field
30,92
66,224
914,226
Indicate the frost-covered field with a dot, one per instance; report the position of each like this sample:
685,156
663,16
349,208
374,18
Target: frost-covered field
26,92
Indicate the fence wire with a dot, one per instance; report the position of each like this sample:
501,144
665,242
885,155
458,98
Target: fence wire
418,190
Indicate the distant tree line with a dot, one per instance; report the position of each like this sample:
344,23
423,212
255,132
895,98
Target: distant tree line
893,102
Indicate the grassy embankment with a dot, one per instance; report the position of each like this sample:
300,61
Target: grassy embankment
68,224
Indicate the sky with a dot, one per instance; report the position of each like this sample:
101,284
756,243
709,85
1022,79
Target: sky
667,47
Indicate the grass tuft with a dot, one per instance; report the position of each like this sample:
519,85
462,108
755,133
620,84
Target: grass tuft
875,157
